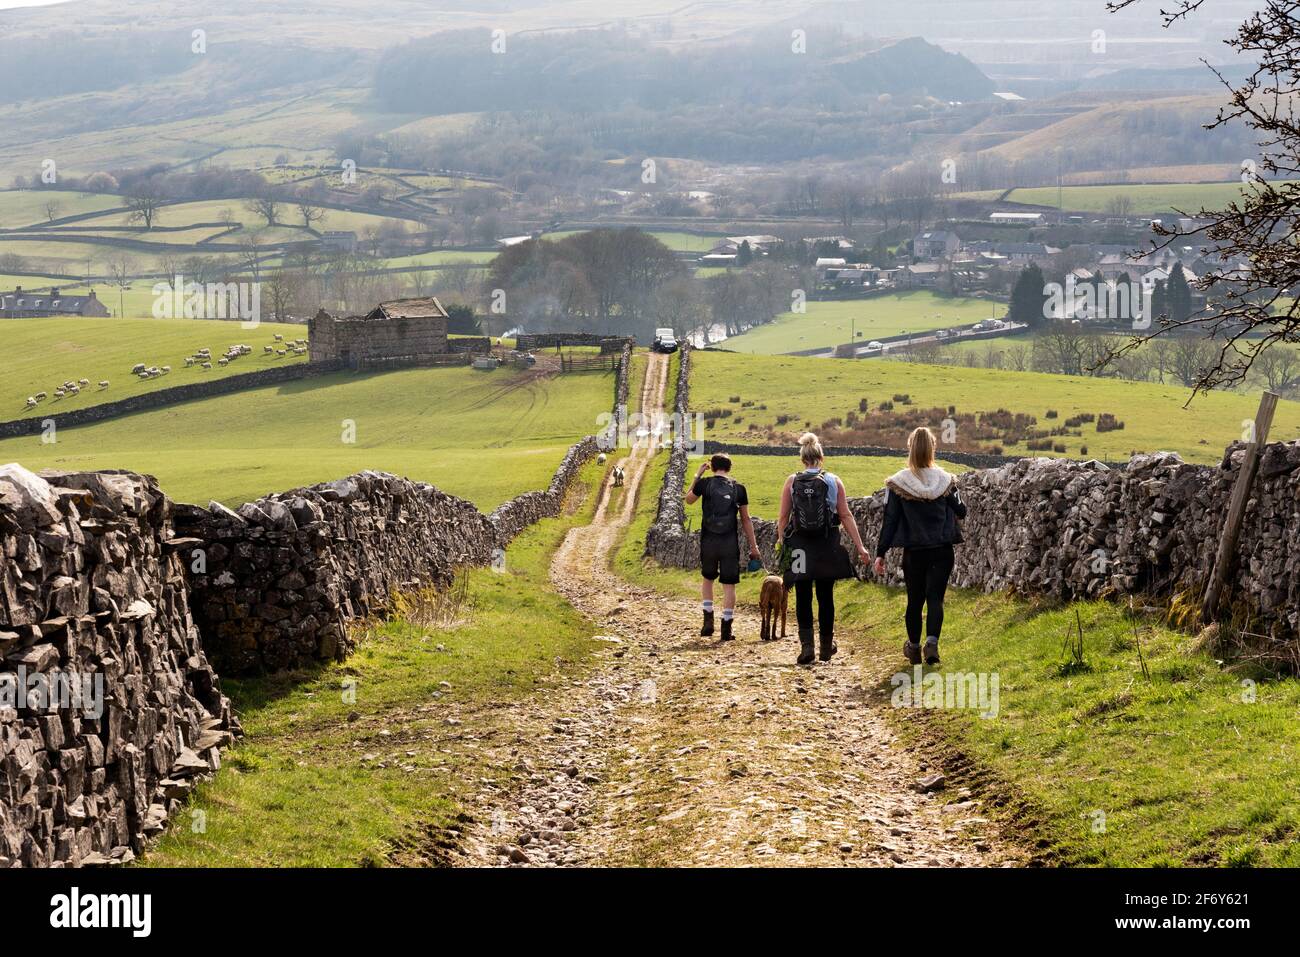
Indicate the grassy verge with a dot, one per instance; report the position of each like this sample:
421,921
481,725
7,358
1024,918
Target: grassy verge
323,782
1188,763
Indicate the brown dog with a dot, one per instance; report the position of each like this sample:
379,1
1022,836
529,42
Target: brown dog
771,601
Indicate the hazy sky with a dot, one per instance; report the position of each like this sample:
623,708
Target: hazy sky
5,4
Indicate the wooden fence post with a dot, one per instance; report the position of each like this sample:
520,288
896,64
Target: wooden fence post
1237,507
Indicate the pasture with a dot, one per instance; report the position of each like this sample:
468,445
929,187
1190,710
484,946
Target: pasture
1147,198
827,324
41,354
812,391
27,207
486,436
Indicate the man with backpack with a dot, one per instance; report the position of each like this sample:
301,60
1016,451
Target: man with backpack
725,506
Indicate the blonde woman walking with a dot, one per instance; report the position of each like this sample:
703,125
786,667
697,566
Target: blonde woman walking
923,512
813,507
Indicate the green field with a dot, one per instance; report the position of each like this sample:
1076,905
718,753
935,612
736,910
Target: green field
27,207
212,211
829,324
41,354
1149,198
486,436
440,257
673,239
815,390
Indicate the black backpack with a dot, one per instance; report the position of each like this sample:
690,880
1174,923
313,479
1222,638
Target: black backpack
719,506
810,505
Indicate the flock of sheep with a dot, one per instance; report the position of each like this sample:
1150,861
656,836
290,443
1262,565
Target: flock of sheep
202,359
71,387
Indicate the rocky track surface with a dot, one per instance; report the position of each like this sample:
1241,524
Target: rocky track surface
680,751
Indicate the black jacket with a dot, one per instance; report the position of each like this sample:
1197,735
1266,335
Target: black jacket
912,522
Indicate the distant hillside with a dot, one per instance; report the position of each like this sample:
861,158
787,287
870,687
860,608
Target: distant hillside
608,70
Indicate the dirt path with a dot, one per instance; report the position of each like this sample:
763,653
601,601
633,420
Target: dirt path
679,751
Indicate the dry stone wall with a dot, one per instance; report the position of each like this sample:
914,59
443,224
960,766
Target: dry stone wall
275,583
110,711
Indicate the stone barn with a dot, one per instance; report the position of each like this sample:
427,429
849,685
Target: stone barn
404,331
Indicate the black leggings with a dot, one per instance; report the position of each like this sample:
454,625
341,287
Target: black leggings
926,572
803,609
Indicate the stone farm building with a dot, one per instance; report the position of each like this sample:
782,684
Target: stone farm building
405,331
24,304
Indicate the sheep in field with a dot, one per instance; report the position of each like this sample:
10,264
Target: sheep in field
31,402
268,350
207,365
103,384
137,368
166,369
83,382
41,396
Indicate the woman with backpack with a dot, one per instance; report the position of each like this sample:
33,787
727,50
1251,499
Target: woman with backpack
814,506
923,511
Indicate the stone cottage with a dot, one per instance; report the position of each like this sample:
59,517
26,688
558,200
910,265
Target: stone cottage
404,330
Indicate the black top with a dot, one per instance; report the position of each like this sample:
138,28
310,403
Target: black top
921,523
740,497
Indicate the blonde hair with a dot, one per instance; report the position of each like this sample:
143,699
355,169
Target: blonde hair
920,449
810,449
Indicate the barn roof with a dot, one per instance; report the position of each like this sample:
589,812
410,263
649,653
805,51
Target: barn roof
427,307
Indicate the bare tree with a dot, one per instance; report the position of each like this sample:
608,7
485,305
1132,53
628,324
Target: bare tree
52,209
144,200
283,288
311,213
1121,205
1280,369
1250,312
1018,357
265,206
1190,358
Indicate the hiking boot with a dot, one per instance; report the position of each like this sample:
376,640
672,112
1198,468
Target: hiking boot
828,647
806,652
707,629
932,651
912,651
726,630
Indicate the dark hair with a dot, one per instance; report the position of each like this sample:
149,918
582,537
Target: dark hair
720,463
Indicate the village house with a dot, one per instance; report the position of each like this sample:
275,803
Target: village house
339,241
923,275
936,245
406,330
22,304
